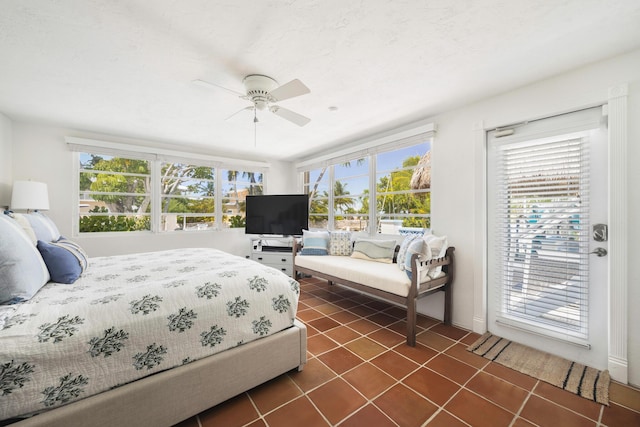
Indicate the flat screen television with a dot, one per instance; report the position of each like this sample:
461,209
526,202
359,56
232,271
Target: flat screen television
277,214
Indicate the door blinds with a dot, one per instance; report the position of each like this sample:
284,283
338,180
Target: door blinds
542,223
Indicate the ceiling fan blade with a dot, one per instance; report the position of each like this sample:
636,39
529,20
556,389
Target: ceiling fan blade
215,86
293,117
240,111
288,90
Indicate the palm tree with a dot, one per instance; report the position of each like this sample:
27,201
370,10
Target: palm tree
253,189
341,203
313,192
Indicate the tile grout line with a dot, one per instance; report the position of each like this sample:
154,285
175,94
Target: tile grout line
260,415
388,348
524,403
599,423
401,380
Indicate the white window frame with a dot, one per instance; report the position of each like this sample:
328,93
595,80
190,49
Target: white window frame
369,148
155,156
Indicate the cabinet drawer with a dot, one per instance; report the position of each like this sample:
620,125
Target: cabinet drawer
278,258
286,269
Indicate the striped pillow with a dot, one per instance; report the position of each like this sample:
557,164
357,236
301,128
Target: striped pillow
402,253
65,259
315,242
417,246
22,270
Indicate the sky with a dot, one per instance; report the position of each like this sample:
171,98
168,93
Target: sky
356,176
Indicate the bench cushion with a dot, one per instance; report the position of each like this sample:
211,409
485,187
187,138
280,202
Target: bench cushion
385,277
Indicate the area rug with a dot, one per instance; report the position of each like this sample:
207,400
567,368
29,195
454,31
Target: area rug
582,380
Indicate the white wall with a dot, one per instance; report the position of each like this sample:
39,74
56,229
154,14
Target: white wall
40,153
458,176
6,156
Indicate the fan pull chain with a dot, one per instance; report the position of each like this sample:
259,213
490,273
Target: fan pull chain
255,128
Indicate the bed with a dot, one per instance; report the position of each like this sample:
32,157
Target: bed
147,339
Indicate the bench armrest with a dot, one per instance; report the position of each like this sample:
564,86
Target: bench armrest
418,262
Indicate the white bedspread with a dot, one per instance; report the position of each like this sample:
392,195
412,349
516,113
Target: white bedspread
131,316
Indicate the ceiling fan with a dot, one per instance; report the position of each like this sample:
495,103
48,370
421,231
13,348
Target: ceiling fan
263,92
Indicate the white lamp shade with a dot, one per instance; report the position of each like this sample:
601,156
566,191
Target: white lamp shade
29,195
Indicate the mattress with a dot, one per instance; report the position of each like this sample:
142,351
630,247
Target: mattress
131,316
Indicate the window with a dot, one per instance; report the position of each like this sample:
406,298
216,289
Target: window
316,184
350,195
400,204
236,186
120,192
114,193
187,197
340,192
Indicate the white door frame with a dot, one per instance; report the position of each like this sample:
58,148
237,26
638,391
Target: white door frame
618,223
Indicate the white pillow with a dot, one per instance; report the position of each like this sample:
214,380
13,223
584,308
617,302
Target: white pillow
438,246
44,228
22,270
26,226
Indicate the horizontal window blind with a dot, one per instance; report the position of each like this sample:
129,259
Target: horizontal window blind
542,216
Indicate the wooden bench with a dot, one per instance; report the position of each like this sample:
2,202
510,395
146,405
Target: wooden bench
325,267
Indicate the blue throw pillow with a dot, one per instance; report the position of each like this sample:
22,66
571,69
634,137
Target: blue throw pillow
65,260
315,242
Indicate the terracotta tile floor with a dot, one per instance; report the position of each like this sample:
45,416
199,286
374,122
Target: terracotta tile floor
360,372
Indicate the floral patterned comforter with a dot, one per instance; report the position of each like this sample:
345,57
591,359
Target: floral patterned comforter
131,316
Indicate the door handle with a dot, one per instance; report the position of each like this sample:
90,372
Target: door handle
600,252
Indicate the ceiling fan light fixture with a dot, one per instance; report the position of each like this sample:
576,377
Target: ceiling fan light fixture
258,88
263,91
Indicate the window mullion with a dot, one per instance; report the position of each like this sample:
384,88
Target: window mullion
331,201
373,197
156,203
218,197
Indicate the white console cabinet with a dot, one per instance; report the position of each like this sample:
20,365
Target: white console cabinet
275,253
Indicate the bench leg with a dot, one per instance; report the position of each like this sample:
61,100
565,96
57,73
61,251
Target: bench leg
447,304
411,322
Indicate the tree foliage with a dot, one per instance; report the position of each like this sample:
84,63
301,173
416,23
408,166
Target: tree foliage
124,186
395,196
98,223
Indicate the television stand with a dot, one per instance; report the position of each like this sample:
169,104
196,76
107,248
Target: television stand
274,252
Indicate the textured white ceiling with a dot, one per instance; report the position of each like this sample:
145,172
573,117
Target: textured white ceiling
126,67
